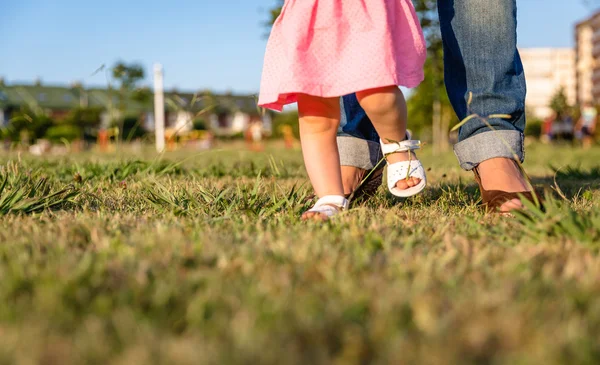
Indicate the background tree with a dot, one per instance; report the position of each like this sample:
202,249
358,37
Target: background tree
274,12
29,122
142,95
26,125
559,102
85,120
127,78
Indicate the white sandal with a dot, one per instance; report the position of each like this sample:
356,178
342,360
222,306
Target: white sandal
329,205
403,170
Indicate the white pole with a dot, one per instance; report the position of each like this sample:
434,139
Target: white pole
159,108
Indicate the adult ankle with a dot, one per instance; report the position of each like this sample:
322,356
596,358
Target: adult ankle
351,178
502,174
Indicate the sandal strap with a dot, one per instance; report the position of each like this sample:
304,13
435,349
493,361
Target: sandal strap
401,170
338,201
330,205
403,146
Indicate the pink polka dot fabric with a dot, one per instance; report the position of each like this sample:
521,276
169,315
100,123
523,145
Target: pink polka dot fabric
331,48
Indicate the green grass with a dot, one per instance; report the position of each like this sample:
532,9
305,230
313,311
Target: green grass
202,259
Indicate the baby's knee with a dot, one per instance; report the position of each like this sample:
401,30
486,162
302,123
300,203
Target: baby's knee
318,125
380,101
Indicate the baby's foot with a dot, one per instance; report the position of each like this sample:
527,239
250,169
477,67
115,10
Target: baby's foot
326,207
405,174
400,157
314,216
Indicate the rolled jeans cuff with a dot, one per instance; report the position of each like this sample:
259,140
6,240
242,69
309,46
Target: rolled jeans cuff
487,145
358,152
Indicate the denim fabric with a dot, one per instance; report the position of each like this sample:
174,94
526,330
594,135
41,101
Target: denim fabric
354,121
480,57
499,143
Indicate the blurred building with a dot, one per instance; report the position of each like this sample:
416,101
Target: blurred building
547,71
587,39
585,60
226,114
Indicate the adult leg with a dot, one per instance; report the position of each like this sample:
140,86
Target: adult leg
359,148
484,76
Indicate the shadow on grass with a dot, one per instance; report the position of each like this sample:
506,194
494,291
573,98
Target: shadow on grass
572,181
445,195
577,173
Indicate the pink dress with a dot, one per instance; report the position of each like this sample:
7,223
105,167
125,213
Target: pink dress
331,48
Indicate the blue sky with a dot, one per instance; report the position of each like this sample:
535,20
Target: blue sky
203,44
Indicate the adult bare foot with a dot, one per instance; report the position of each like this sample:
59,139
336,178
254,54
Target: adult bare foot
503,175
352,177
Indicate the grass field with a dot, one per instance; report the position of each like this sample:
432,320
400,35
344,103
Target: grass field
201,258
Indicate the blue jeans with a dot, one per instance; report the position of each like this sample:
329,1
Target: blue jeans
480,58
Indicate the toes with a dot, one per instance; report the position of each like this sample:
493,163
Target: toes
408,183
307,216
413,181
514,204
402,184
314,216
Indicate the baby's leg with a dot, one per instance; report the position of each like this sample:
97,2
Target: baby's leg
386,108
319,121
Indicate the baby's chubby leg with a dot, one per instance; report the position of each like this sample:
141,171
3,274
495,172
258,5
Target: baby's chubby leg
386,107
319,121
